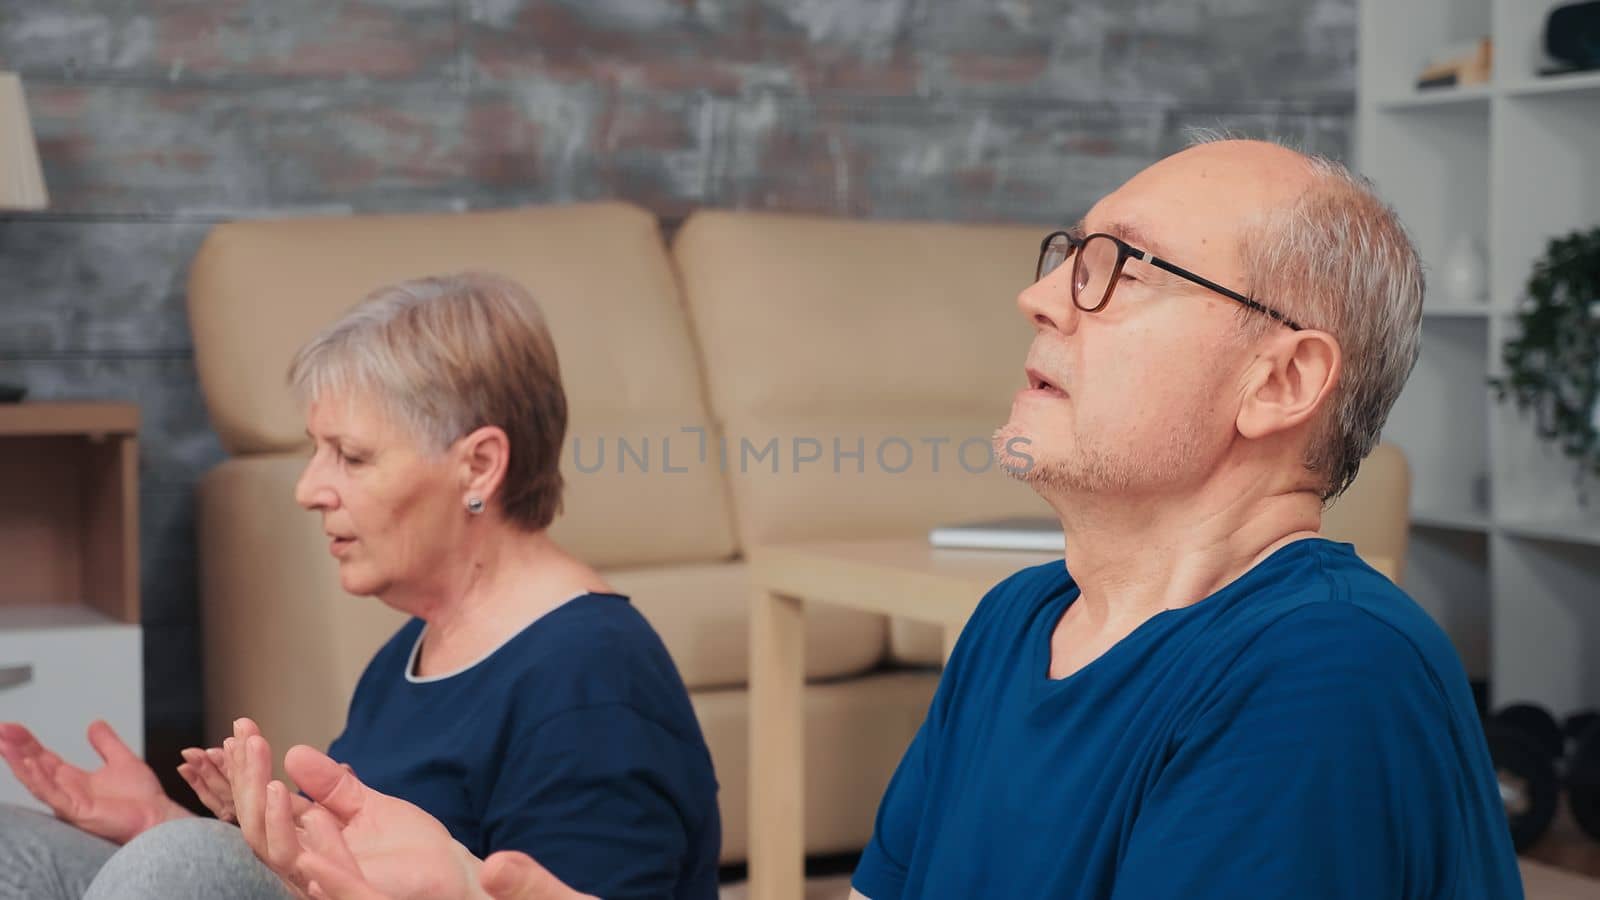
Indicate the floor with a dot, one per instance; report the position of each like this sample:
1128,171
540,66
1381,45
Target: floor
1565,846
1541,880
836,887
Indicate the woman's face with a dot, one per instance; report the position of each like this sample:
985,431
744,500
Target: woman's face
387,507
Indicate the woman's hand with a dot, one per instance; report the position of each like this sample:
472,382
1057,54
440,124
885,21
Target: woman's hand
507,875
206,771
117,801
359,844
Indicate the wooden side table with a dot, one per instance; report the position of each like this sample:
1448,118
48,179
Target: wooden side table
902,577
70,641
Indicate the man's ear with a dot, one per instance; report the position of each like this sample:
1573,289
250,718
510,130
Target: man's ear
483,456
1290,381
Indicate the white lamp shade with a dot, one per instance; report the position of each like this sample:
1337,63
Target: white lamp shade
21,180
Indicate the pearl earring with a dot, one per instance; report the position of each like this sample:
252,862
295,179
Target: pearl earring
474,505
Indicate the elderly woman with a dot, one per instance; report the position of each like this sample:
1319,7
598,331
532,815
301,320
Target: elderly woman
526,706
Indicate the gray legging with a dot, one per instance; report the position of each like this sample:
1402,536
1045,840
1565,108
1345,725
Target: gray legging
43,858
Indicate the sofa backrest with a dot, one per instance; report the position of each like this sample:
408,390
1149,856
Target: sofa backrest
259,289
841,356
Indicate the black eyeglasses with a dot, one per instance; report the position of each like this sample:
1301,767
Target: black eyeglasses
1097,264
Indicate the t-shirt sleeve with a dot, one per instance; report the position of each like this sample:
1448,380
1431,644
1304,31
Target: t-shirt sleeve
881,873
596,795
1310,773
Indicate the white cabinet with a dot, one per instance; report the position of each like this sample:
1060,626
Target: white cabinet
62,667
70,643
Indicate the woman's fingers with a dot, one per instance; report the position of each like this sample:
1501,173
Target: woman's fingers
187,773
195,771
326,864
45,788
283,844
215,781
330,882
249,783
26,768
105,741
322,834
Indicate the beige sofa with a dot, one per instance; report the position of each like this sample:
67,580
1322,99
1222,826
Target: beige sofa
830,363
756,328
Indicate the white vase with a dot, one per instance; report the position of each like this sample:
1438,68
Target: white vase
1466,273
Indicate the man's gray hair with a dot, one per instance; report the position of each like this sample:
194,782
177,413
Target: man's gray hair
1339,260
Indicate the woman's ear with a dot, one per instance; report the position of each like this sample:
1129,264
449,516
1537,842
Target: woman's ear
484,455
1289,383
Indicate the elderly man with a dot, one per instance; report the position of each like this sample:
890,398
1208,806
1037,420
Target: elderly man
1209,700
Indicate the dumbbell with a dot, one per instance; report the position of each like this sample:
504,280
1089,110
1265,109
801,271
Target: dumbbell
1583,774
1525,742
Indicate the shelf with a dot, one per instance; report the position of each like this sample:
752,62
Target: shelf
1443,311
44,419
1566,531
1446,519
1511,165
35,617
1551,85
1441,98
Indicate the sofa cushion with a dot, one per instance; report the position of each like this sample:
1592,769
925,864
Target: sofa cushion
259,289
884,336
702,613
897,340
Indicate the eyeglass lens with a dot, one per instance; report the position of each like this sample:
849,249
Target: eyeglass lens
1092,267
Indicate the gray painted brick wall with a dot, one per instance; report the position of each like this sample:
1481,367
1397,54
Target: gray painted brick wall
157,118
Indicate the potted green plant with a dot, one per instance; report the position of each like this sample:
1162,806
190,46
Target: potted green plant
1552,368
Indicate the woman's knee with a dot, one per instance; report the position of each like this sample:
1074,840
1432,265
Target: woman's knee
44,857
200,858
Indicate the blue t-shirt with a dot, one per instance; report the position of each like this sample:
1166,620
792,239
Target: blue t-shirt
573,742
1305,732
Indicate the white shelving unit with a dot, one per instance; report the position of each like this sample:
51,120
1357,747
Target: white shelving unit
1503,553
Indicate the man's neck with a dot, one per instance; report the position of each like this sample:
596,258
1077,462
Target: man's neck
1133,557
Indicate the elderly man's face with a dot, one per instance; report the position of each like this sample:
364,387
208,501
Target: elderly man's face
1142,396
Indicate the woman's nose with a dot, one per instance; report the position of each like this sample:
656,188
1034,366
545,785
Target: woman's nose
309,491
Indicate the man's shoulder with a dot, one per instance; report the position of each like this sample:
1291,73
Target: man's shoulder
1329,607
1014,599
1027,587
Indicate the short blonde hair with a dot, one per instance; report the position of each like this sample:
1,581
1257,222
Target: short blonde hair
447,355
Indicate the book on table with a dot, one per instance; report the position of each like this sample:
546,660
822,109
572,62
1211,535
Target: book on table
1038,533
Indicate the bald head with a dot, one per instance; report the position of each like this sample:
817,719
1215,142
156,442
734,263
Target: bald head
1197,206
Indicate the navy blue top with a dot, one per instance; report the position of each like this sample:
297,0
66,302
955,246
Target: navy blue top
1305,732
573,742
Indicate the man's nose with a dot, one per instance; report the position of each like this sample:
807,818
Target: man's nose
1047,303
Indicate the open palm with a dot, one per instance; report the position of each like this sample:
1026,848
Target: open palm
398,849
372,843
116,801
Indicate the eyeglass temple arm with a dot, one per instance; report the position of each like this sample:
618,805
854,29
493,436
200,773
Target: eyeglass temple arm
1208,284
